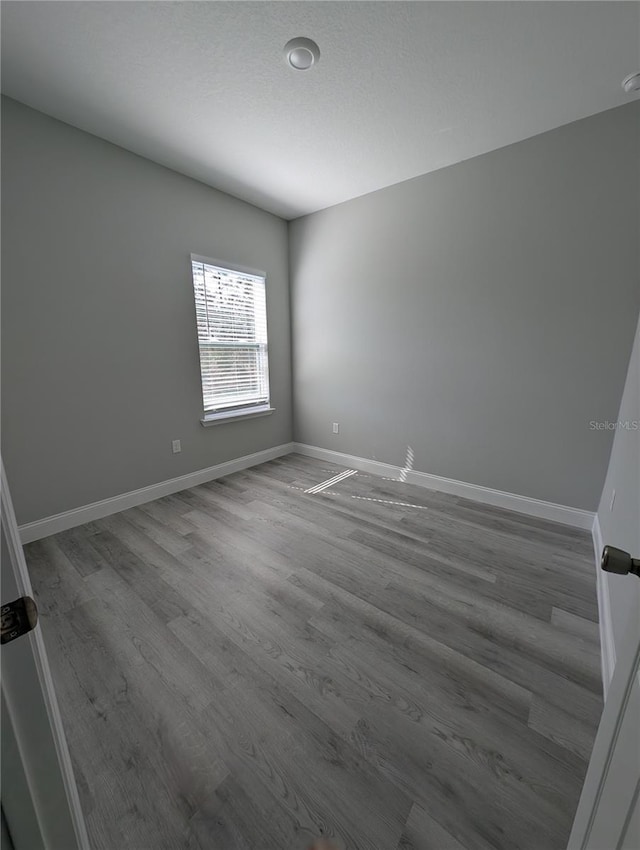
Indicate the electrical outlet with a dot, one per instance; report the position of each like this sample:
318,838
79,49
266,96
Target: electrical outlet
336,428
613,498
176,447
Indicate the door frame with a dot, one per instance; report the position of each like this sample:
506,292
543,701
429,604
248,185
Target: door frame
65,820
625,681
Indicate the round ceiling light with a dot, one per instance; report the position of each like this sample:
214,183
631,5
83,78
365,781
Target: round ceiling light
631,83
301,53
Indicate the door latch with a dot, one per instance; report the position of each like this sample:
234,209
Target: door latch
620,562
17,618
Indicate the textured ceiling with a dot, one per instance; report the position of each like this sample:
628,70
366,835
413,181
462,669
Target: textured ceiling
402,88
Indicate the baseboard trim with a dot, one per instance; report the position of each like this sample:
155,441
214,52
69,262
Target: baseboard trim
574,517
78,516
605,620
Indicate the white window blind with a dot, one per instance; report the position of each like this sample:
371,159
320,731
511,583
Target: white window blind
232,334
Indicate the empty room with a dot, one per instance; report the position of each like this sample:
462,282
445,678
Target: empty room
320,425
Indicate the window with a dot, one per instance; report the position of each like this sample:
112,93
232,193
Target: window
231,317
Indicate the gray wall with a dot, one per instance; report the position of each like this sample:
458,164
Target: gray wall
469,313
621,526
99,349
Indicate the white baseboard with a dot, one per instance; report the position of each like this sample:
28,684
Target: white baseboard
574,517
607,644
78,516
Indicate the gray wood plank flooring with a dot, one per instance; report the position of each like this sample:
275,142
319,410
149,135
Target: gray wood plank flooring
244,666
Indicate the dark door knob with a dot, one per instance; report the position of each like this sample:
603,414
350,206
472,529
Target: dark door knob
17,618
620,562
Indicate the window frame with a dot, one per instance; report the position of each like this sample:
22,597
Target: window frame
237,413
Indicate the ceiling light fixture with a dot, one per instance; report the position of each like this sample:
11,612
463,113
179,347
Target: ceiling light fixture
631,83
301,53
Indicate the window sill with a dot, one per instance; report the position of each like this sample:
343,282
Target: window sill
235,415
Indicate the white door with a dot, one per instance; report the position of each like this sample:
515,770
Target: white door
608,814
39,796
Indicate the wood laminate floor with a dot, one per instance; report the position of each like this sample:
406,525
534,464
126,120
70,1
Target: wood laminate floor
247,666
